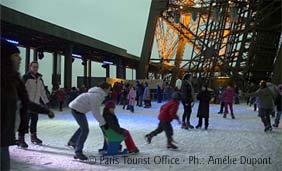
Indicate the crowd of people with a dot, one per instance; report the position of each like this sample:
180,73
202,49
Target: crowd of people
29,97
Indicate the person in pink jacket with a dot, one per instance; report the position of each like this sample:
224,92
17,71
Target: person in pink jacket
131,98
228,95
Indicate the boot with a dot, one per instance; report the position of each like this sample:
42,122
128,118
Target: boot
233,117
34,139
224,115
206,127
148,138
184,125
71,144
190,126
171,145
21,142
198,126
275,125
80,156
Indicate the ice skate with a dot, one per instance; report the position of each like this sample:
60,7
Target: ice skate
184,125
21,142
71,145
80,156
35,140
170,145
148,138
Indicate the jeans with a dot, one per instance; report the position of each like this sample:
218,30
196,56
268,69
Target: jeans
5,158
80,136
277,119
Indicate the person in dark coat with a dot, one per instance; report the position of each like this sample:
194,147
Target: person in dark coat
160,94
278,104
187,91
12,91
204,105
112,122
168,112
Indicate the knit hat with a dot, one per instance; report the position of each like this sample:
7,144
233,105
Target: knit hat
7,49
110,104
176,96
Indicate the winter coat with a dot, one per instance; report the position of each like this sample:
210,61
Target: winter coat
60,95
168,110
147,94
10,98
187,92
131,97
228,95
266,97
278,102
204,105
35,88
112,122
90,101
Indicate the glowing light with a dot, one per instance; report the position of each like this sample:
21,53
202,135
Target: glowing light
107,62
12,41
76,55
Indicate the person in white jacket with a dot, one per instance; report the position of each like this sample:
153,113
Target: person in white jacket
89,101
37,94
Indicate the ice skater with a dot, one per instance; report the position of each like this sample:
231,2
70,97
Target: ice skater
278,104
266,97
204,105
85,102
228,96
167,114
112,122
187,91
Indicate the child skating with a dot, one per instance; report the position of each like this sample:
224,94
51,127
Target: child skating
167,114
112,122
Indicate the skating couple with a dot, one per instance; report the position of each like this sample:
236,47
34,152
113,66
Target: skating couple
92,101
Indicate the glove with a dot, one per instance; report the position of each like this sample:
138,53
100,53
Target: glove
51,115
105,126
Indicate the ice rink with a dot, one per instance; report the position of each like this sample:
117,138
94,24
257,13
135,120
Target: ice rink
239,144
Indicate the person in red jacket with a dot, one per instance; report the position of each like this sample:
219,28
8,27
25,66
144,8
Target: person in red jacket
167,114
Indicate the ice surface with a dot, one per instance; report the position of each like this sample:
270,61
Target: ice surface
243,136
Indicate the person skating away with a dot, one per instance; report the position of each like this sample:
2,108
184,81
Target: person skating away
112,122
266,97
204,105
228,95
221,100
168,112
131,98
278,104
85,102
187,92
147,96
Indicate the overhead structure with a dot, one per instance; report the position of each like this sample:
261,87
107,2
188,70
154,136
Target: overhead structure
210,38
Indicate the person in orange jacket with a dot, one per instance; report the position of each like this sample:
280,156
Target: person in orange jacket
167,114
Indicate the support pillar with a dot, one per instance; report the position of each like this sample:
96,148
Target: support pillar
277,75
156,7
27,59
107,71
89,73
120,69
35,55
85,80
68,68
55,81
